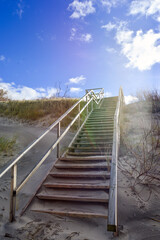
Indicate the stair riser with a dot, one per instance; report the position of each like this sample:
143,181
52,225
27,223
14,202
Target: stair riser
86,167
80,176
77,186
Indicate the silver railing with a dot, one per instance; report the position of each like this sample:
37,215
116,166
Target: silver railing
92,95
112,208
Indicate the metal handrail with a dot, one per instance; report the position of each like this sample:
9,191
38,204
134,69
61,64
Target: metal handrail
39,138
13,166
112,208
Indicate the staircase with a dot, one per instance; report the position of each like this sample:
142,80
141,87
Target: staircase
78,185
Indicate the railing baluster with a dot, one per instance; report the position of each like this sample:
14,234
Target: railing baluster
13,192
58,135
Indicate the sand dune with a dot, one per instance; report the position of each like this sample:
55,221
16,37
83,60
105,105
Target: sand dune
140,219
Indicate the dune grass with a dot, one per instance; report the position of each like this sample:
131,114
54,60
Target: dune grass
34,110
43,110
7,145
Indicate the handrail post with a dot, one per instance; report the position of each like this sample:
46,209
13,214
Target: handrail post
79,118
87,101
58,135
92,105
13,193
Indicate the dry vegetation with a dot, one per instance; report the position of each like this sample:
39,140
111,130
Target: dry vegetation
7,145
141,143
34,110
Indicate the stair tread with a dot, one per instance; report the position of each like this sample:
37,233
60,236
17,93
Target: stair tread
79,173
95,148
87,153
75,209
95,158
93,144
82,165
73,195
104,132
82,183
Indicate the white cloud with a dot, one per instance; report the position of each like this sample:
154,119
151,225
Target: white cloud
40,89
110,26
26,93
146,7
83,37
2,58
73,34
77,80
86,37
130,99
124,36
118,25
110,50
20,8
142,50
108,4
75,90
81,9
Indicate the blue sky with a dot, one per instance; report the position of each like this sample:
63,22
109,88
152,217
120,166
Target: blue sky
78,44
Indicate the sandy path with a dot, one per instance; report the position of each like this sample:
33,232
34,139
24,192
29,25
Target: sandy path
25,135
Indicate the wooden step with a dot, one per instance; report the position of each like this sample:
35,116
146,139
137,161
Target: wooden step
77,183
91,165
92,137
71,209
99,118
106,126
103,113
109,111
108,123
95,139
93,144
79,173
94,115
103,134
104,108
87,153
73,195
92,158
89,148
99,121
96,130
97,127
92,132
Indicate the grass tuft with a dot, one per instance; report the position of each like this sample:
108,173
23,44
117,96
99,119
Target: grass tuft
7,145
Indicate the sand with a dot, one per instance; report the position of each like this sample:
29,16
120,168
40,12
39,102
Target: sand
139,219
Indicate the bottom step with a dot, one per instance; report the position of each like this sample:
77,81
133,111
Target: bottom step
72,209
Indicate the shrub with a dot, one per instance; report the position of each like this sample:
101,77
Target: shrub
152,97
